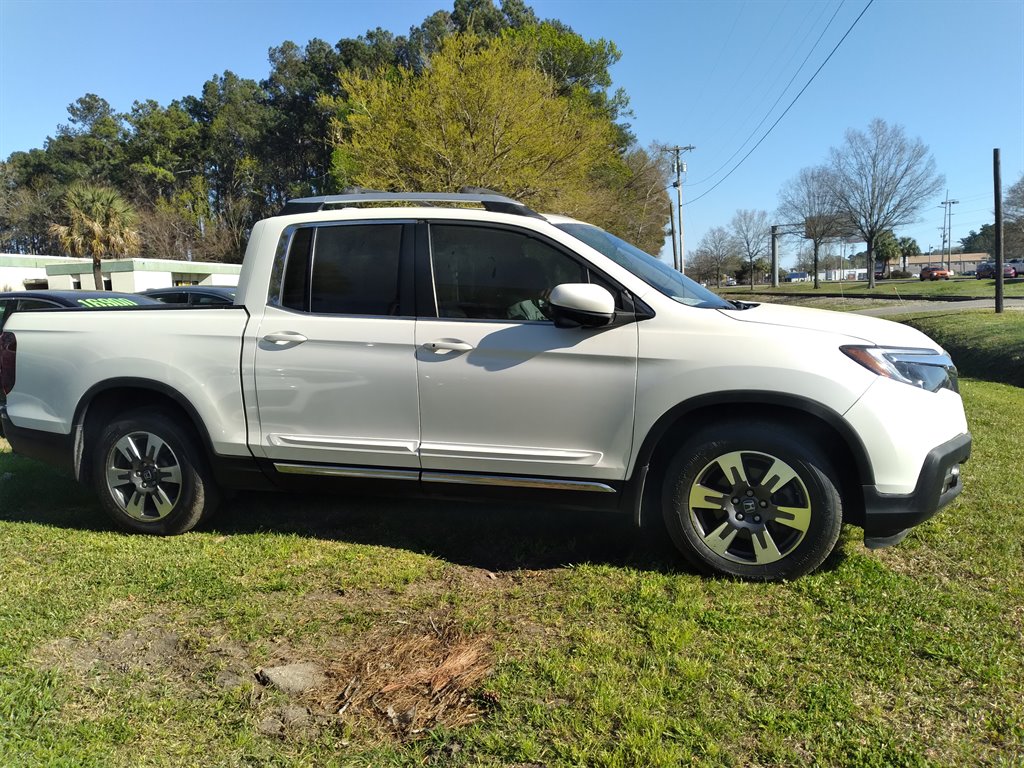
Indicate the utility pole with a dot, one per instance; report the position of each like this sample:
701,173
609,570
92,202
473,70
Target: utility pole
947,228
675,245
775,256
679,167
998,244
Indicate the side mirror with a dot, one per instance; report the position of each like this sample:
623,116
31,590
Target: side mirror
576,305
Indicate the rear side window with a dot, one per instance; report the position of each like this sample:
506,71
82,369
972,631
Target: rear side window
172,298
25,304
204,300
346,270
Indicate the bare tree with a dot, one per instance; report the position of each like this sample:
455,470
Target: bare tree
880,180
807,201
702,267
718,251
752,233
1013,220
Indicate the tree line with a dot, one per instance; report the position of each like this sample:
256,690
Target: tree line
483,95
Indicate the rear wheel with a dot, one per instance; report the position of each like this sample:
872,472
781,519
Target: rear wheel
753,501
151,476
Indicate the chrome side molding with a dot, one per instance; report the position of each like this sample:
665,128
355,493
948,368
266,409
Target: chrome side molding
451,478
365,473
510,481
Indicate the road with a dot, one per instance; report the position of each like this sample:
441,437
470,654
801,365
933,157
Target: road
902,308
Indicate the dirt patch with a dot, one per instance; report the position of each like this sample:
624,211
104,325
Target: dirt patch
405,674
152,646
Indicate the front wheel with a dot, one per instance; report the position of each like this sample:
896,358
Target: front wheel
753,501
151,476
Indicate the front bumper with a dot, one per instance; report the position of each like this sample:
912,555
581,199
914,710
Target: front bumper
889,517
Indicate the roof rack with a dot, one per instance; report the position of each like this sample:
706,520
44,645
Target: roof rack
488,199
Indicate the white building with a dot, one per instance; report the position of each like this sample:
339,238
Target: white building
19,273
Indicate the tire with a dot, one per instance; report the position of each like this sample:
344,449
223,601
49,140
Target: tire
728,513
150,475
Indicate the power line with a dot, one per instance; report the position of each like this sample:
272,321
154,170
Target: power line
794,101
773,106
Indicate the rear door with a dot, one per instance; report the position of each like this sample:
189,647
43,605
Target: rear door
335,366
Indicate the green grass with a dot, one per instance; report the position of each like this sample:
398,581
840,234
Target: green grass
889,289
983,344
604,650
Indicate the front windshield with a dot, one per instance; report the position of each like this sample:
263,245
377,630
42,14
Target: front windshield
655,273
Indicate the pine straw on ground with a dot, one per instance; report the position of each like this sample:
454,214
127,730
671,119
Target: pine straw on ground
423,678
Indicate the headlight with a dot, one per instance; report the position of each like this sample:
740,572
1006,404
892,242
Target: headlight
925,368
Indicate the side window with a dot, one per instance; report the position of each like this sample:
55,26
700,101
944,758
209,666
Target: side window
348,269
495,274
24,304
172,298
203,300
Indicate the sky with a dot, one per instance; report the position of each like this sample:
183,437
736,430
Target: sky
715,75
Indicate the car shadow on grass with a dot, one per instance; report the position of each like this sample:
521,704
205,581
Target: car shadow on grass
491,536
494,537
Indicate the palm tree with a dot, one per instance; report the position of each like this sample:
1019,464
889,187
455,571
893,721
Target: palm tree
102,223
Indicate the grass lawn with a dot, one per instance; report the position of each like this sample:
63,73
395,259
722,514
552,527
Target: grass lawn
456,634
983,344
889,289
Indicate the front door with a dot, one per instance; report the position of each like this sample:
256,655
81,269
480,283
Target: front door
502,391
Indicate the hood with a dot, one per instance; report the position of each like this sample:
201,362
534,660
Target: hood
873,330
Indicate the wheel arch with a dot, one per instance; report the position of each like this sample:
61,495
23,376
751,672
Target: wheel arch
106,399
831,433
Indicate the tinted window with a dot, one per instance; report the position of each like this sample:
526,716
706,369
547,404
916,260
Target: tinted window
203,299
350,270
295,293
495,274
36,304
171,298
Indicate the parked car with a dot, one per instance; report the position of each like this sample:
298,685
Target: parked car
1018,266
988,271
18,301
193,295
491,351
935,273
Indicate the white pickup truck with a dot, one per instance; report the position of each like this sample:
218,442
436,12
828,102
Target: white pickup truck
486,349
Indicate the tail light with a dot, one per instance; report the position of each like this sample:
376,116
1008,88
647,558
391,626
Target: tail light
8,346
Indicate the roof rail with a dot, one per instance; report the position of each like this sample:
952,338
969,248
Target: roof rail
354,197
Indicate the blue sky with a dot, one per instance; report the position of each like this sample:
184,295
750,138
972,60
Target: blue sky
703,73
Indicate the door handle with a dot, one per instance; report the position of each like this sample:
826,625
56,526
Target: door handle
448,345
284,337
